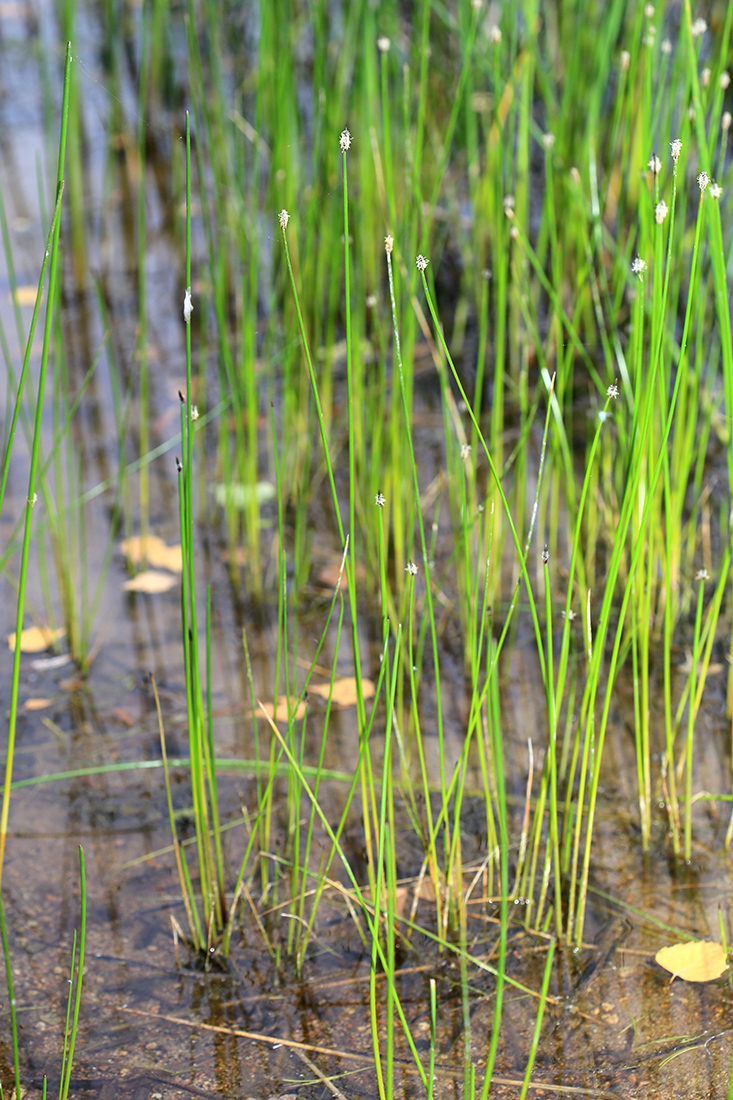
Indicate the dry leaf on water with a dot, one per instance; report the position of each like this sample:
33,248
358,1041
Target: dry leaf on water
344,691
344,695
282,709
37,704
36,638
151,582
698,961
157,553
26,295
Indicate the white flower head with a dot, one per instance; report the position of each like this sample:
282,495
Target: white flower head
508,204
283,217
698,28
660,212
548,140
638,267
703,180
411,568
345,141
654,165
195,412
691,113
724,80
380,500
495,35
702,575
388,244
625,60
649,11
666,47
383,44
612,391
715,190
676,148
726,120
465,451
421,262
705,78
187,306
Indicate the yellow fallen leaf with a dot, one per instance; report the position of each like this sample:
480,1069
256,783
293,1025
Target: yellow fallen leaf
150,582
35,639
37,704
698,961
157,553
26,295
282,709
344,691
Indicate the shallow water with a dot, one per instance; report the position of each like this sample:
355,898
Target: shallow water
153,1023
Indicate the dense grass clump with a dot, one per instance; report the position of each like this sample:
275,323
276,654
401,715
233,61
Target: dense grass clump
519,240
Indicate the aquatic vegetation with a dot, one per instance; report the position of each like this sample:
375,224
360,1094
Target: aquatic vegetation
463,404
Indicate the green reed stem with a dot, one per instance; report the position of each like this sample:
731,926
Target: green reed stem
71,1035
35,457
11,999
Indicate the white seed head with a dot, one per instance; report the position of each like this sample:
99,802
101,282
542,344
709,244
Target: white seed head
495,35
514,233
638,266
625,60
388,244
612,391
702,575
283,217
666,47
724,80
726,120
698,28
649,11
380,500
411,568
383,44
465,451
370,301
691,114
705,77
715,190
676,148
548,140
655,164
187,306
703,180
421,262
345,141
660,212
575,175
195,412
508,204
33,500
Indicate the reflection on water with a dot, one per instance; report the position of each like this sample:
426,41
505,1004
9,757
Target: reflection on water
153,1024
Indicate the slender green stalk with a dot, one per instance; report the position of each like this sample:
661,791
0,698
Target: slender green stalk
71,1033
32,476
538,1022
11,999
